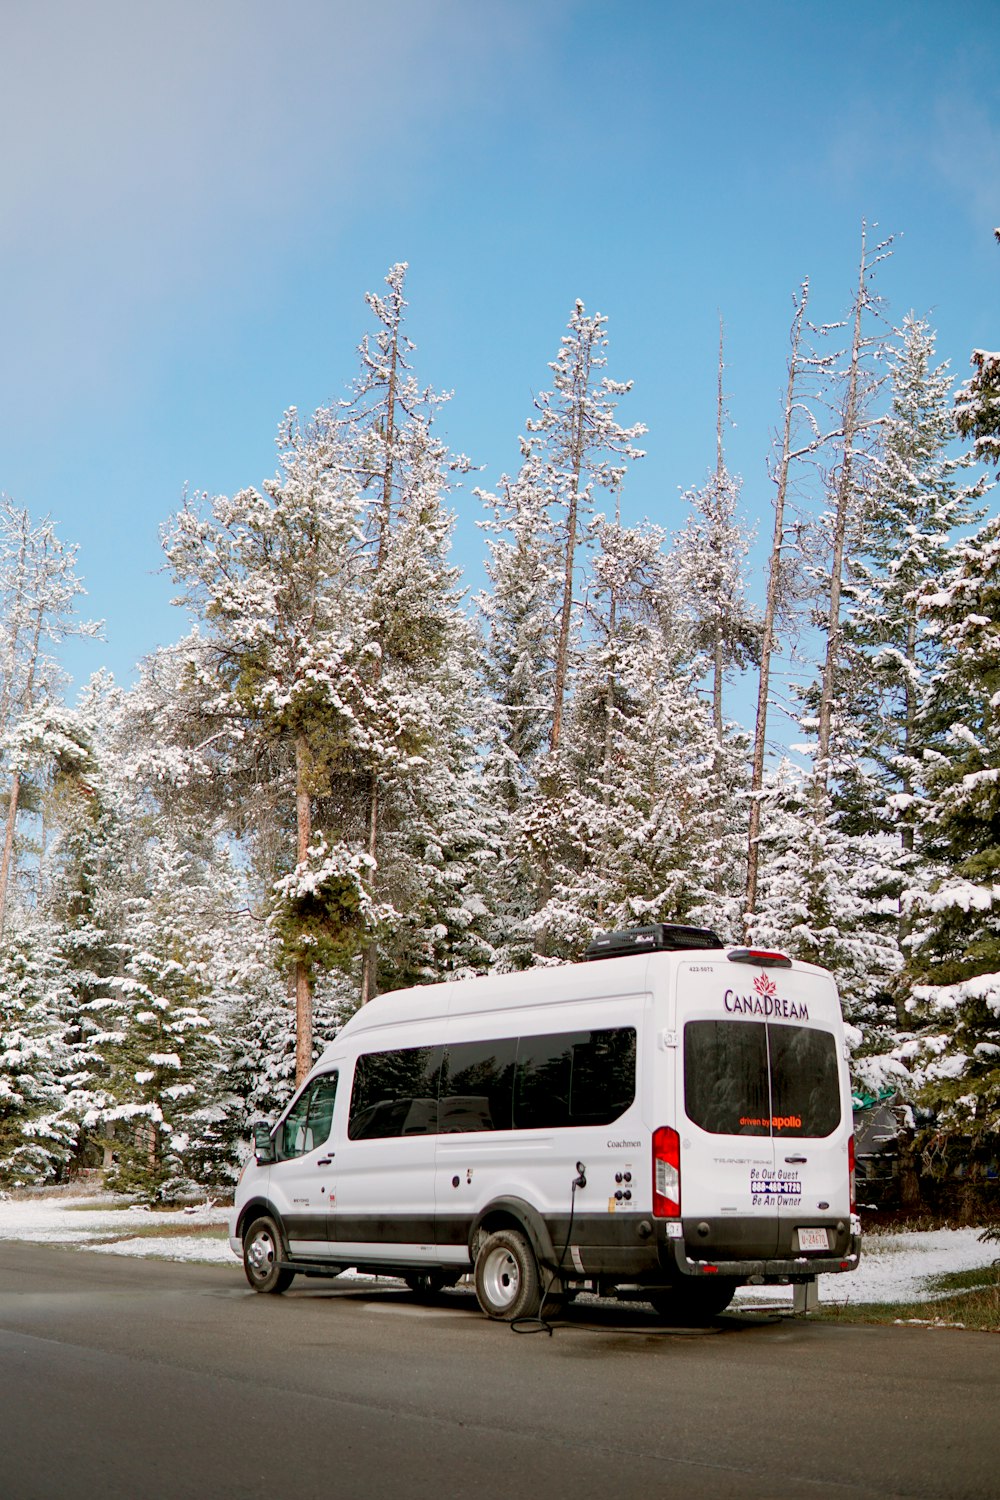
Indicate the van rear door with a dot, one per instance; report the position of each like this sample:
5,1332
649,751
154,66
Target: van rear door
762,1084
727,1151
812,1128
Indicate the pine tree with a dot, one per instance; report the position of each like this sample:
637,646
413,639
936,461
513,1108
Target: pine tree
954,942
333,632
856,388
165,1090
622,814
801,438
37,1125
38,588
580,447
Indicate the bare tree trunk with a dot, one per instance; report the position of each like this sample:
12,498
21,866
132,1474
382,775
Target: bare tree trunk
718,664
6,863
562,650
572,520
15,616
8,845
303,987
845,495
771,610
369,962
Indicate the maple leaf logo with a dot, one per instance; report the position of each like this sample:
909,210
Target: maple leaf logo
765,986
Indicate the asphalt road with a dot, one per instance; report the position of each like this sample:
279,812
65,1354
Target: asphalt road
138,1380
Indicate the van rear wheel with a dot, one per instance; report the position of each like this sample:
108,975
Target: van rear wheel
262,1256
507,1280
698,1302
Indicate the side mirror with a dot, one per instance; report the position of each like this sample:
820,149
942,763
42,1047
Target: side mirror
263,1143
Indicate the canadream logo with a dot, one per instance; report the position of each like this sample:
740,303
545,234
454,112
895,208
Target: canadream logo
766,1002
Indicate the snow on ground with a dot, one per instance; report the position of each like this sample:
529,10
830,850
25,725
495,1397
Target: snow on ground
894,1267
173,1247
75,1221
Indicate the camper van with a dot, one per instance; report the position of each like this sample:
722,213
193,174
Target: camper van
669,1120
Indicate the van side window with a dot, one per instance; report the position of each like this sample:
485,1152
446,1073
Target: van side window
477,1086
308,1122
575,1078
539,1082
395,1093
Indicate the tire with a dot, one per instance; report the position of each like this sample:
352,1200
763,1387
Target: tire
507,1280
428,1283
692,1305
262,1251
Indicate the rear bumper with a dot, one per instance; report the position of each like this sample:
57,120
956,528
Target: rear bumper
788,1268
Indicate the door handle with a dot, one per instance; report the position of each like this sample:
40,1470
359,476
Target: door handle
325,1161
795,1160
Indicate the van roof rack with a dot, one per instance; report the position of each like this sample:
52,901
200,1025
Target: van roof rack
659,937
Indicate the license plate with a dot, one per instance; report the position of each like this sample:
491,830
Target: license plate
814,1239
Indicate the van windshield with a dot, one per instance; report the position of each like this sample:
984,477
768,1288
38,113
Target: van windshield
758,1078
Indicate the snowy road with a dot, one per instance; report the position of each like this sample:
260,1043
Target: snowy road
122,1378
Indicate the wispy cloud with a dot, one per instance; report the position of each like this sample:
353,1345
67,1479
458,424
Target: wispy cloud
149,149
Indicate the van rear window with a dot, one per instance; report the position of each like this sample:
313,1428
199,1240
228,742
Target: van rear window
757,1078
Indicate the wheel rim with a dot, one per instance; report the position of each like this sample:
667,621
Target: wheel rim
260,1255
501,1278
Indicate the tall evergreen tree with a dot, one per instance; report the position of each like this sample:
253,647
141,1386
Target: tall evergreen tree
954,942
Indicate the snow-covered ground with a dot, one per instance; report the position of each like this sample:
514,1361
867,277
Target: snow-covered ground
894,1267
75,1221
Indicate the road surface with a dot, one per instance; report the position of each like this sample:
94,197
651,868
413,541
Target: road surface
130,1379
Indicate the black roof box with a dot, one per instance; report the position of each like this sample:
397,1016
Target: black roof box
659,937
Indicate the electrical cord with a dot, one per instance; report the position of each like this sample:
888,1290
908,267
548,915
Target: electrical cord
539,1324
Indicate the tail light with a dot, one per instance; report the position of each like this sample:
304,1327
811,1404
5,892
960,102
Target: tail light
850,1170
666,1173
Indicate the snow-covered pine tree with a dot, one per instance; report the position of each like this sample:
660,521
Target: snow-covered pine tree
282,674
519,615
818,896
954,940
165,1089
845,916
421,793
38,589
332,626
977,404
572,450
621,817
581,448
708,567
856,385
708,571
800,438
919,504
37,1126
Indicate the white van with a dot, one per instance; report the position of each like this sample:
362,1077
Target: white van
670,1122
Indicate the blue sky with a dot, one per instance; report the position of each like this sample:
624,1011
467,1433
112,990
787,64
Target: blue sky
195,197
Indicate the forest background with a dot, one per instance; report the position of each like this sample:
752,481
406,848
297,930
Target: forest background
346,779
360,765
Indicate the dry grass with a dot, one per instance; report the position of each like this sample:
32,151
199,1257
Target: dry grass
963,1299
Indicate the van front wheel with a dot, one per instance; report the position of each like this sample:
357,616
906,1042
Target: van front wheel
261,1257
507,1281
